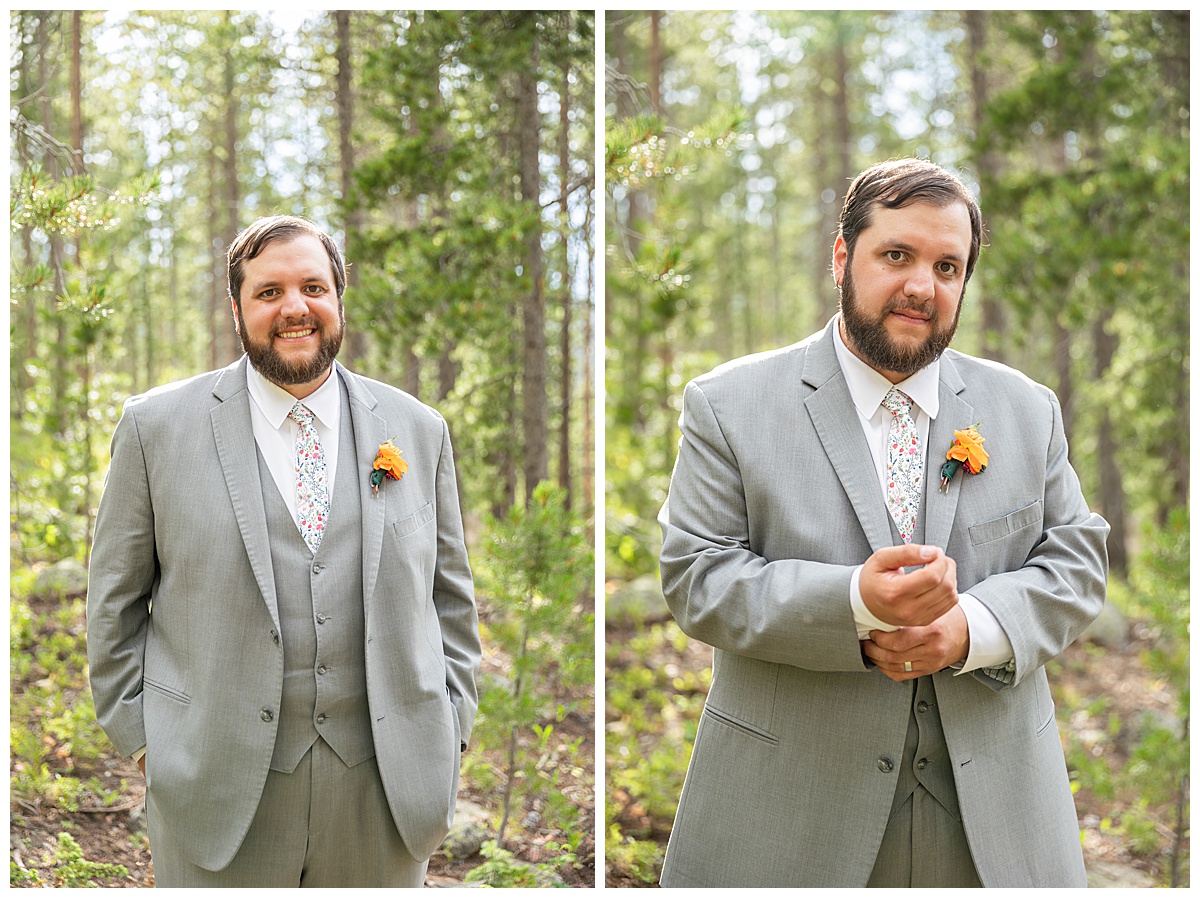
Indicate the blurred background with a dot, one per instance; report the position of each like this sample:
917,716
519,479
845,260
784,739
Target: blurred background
451,155
730,140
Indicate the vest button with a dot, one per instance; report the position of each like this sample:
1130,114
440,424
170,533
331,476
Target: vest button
321,718
321,618
885,764
267,715
322,669
318,567
923,763
922,707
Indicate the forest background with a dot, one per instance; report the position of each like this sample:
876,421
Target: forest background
730,140
451,155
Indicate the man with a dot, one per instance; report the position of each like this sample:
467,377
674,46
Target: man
287,645
879,713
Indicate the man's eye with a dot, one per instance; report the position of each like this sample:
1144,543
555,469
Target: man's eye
948,268
895,255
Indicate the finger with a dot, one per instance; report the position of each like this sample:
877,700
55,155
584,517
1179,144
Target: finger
905,641
906,555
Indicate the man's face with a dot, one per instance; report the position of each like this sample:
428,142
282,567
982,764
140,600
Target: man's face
902,291
291,320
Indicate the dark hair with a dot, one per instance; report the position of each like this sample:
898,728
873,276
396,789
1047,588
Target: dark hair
250,242
902,182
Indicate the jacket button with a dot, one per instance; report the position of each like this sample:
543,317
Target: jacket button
923,763
922,706
267,715
885,764
321,618
275,637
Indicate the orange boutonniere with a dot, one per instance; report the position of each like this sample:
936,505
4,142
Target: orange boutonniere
967,452
388,463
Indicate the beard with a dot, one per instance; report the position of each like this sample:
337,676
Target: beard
876,346
286,373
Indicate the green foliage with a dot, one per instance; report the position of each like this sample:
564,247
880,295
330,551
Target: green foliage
639,860
653,709
53,730
19,876
502,870
73,870
536,571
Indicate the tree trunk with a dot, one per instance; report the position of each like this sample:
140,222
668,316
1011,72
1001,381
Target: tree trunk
59,371
564,169
1065,387
232,197
77,90
992,342
218,299
656,62
589,459
533,373
355,345
1112,487
842,112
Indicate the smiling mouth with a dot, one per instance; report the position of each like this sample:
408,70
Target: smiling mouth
296,334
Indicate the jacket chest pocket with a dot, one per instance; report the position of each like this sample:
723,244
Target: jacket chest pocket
413,522
998,528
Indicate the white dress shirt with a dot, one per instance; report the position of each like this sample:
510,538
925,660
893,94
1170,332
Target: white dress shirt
989,645
275,433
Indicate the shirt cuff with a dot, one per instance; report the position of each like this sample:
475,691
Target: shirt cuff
139,754
990,646
864,620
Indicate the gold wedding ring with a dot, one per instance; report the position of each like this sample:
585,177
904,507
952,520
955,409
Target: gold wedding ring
908,667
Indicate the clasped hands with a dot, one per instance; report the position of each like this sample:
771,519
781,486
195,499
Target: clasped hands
922,603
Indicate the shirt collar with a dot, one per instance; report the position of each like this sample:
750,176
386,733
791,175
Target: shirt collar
868,387
275,402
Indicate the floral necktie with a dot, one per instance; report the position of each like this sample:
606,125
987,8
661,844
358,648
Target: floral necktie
905,464
312,490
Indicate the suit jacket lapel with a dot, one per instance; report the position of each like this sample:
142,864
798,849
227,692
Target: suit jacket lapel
832,412
953,414
234,436
369,431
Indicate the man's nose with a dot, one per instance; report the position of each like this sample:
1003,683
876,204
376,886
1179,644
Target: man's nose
919,285
294,303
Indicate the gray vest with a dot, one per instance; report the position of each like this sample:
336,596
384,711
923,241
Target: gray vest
321,620
926,760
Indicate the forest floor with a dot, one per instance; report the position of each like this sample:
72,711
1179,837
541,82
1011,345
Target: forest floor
1104,699
116,835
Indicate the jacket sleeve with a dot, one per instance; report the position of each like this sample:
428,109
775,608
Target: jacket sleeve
121,577
454,596
1046,603
787,611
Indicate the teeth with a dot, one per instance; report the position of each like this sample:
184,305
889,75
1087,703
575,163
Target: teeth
300,333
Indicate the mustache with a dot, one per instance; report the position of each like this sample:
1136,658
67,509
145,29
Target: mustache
926,310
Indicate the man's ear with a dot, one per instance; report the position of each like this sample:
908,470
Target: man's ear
839,259
233,309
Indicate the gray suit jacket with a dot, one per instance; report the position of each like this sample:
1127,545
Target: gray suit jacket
773,502
183,617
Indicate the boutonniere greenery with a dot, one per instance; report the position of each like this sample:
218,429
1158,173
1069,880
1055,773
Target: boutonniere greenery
967,452
388,463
